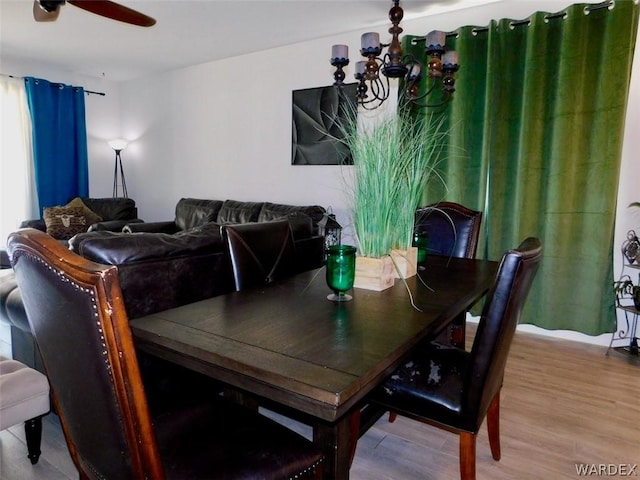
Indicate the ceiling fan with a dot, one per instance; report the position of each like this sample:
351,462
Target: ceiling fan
48,10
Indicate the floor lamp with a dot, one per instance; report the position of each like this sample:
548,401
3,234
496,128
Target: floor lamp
118,145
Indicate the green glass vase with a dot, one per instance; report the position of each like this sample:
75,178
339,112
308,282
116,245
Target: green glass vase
341,271
420,240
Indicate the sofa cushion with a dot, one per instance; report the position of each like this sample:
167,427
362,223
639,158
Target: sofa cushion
64,222
112,208
233,212
191,213
271,211
300,224
89,214
115,248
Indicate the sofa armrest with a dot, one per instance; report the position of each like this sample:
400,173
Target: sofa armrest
159,271
112,225
112,208
151,227
35,223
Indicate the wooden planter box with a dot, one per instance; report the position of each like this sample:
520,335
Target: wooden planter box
374,273
405,262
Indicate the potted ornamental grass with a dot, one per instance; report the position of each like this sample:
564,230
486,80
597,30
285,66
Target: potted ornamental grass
394,161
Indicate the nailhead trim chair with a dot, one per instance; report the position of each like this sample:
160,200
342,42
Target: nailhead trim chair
77,315
24,397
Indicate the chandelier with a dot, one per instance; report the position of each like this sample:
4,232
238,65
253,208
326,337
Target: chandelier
373,88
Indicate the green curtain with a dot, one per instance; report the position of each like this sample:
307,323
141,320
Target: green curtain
536,126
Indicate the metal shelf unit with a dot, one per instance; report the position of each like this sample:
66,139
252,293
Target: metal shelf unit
625,303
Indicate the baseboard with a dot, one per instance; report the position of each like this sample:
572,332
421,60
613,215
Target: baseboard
603,339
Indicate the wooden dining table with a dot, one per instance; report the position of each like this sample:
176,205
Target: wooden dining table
286,343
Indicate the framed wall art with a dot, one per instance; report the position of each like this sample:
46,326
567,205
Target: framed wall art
317,113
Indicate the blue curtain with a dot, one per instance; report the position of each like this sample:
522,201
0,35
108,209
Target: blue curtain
59,141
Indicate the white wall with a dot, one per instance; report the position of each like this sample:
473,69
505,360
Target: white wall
222,133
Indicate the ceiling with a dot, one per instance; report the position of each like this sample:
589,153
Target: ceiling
187,32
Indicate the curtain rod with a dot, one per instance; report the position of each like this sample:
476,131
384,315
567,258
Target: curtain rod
88,92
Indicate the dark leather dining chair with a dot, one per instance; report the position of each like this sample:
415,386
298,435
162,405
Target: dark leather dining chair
454,389
260,253
452,229
77,315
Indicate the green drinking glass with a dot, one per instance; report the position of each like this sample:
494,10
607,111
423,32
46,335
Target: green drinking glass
420,240
341,270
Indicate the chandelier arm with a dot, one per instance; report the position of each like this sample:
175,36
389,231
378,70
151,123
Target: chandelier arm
370,104
373,102
429,91
445,100
380,90
366,105
374,87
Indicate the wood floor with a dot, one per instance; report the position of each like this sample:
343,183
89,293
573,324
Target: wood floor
563,404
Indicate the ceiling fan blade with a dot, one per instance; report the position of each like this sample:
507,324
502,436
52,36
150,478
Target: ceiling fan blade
114,11
46,12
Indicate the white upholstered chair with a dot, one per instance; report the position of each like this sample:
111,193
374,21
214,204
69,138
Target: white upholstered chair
24,397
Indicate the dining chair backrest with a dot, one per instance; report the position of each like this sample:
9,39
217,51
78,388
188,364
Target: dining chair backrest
77,316
452,229
497,326
260,253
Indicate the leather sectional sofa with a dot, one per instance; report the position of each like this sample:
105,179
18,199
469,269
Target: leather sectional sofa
167,264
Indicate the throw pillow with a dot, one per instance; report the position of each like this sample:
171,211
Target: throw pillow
89,214
191,216
234,211
63,223
271,211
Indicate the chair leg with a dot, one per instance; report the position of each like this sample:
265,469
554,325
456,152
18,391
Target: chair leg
392,417
493,426
454,334
467,456
33,432
459,331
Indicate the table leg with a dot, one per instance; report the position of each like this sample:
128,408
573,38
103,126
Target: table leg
338,442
